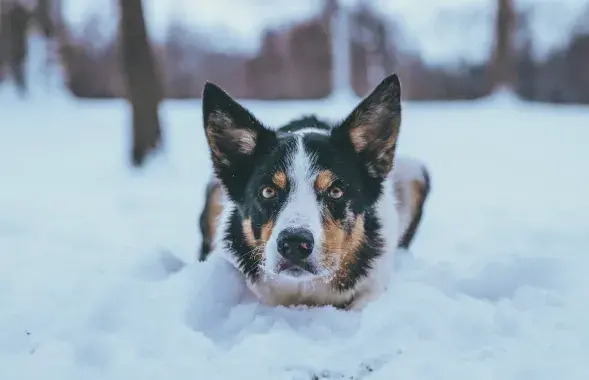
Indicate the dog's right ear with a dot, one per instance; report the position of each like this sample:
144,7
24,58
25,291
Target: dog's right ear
234,136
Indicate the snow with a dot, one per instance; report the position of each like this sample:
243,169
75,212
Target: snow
92,287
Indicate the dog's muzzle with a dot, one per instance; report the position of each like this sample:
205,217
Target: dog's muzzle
295,246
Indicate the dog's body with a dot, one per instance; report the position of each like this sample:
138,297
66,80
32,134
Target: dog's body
308,212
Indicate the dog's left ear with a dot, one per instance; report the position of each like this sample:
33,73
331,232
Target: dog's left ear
234,136
372,128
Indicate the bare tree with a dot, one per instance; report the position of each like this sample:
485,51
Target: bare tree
144,90
14,24
4,36
340,48
44,15
503,65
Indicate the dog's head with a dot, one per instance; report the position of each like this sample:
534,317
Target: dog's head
304,197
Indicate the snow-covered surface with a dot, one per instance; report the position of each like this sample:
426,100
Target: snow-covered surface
495,286
443,31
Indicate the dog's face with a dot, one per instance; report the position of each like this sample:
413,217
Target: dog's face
304,199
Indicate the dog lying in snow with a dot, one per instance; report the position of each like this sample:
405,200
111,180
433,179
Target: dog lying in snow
410,180
310,213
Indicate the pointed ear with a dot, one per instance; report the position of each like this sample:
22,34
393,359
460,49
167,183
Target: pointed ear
373,127
233,135
232,131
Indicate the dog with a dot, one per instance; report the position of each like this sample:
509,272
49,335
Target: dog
310,213
411,181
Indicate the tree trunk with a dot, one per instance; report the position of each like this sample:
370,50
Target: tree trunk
141,80
341,52
503,69
44,18
14,23
4,36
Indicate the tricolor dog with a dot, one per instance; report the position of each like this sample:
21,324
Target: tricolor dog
311,213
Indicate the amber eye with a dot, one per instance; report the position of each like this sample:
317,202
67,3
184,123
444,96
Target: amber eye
336,193
268,192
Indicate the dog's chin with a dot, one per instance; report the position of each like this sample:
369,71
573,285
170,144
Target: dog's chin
295,271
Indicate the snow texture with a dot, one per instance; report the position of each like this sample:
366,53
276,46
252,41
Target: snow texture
98,278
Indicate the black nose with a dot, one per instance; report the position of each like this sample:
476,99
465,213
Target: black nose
295,244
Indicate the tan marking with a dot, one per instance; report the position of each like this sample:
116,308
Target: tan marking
266,231
358,139
248,233
245,140
257,245
409,196
221,127
324,180
417,192
251,241
215,209
279,179
339,249
410,208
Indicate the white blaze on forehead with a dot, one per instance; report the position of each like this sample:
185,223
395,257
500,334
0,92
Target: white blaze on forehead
301,209
305,131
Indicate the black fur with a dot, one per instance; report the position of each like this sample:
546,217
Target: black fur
246,154
223,117
292,126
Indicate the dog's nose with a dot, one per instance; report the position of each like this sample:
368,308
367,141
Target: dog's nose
295,244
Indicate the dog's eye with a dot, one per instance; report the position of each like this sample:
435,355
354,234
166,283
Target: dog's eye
336,193
268,192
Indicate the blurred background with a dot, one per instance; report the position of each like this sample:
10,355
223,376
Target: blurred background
304,49
281,49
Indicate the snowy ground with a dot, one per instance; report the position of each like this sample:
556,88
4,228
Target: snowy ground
496,287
